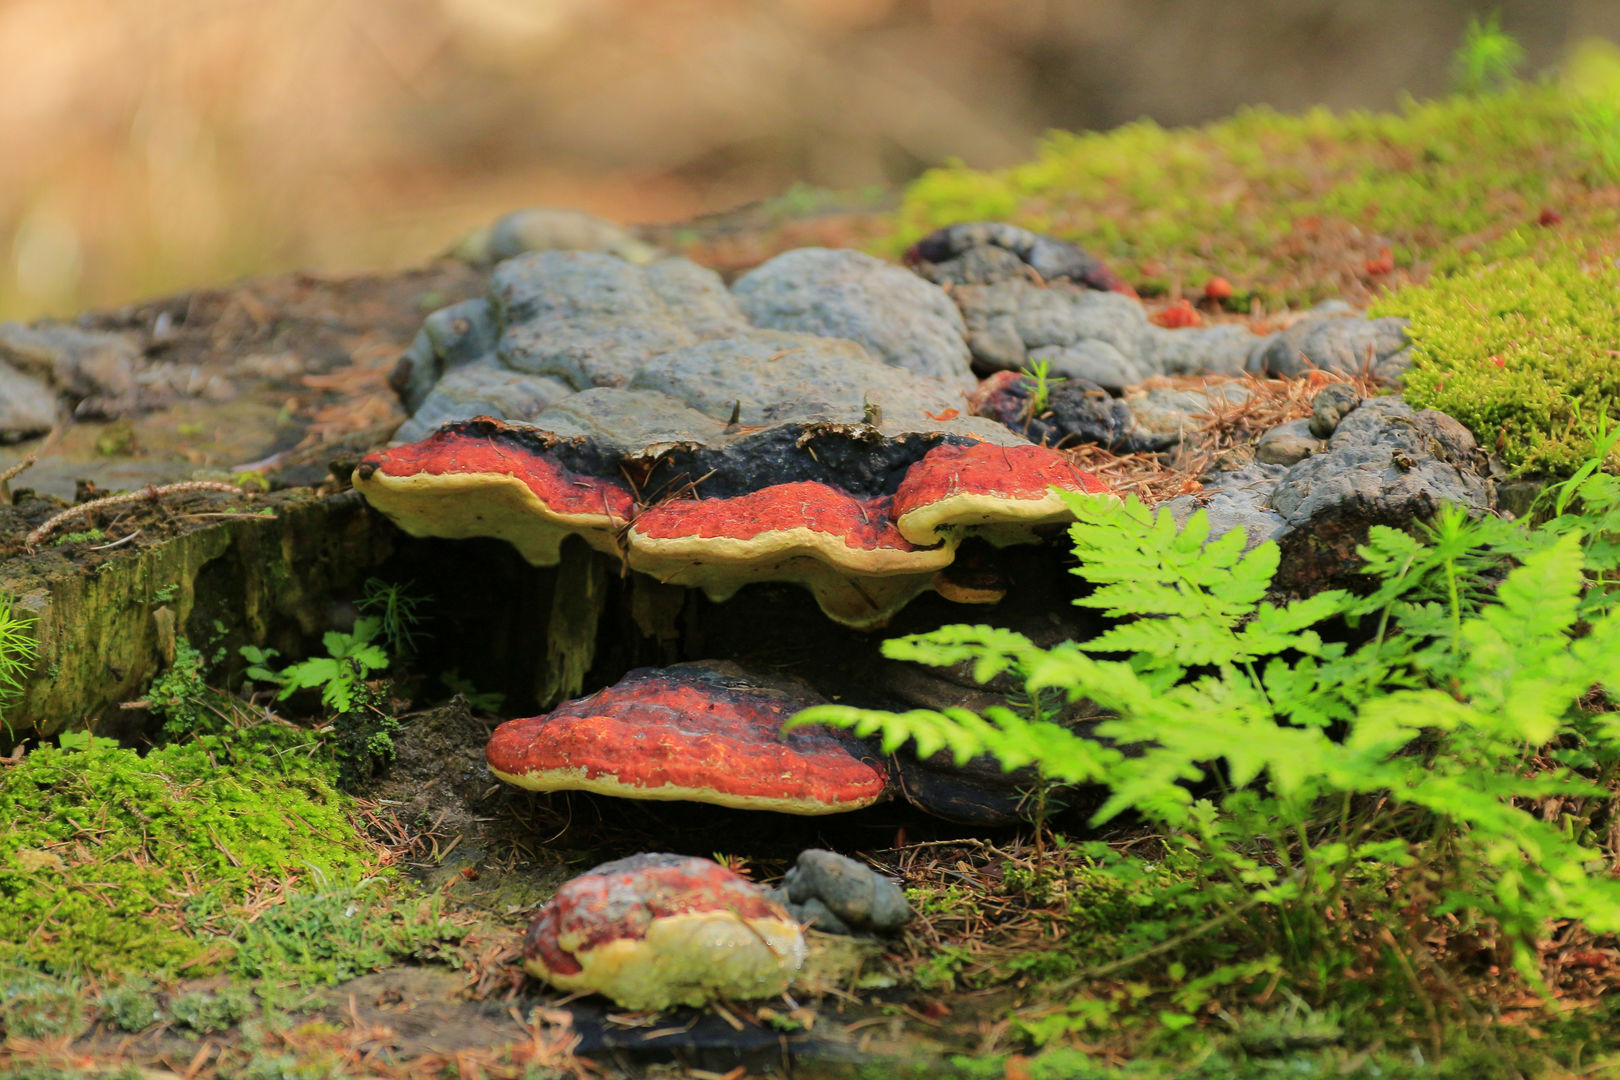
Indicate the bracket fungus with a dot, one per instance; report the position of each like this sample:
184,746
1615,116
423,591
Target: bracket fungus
1001,492
652,931
862,520
484,478
697,732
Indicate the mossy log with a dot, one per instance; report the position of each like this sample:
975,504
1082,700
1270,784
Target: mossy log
105,629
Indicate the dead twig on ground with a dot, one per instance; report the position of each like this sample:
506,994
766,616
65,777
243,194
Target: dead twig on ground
186,487
6,477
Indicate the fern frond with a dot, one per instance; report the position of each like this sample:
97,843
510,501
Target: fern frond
1143,565
991,649
1057,753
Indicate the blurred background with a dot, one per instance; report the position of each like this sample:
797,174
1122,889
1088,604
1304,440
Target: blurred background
152,145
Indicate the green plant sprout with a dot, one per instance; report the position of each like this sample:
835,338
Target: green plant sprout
351,659
1488,59
395,607
477,700
18,653
1041,382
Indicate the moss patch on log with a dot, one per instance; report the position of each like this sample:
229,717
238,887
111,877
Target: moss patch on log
1521,352
105,623
1293,209
112,861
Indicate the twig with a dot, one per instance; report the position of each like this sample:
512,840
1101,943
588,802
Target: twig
115,543
109,501
5,492
17,468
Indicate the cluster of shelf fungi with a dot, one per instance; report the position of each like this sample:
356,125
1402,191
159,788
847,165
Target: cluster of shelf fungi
830,422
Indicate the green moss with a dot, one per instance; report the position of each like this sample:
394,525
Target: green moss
131,1007
34,1007
1521,352
1264,198
206,1012
83,537
335,934
112,861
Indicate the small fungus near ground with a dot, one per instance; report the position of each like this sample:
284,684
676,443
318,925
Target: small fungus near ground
697,732
652,931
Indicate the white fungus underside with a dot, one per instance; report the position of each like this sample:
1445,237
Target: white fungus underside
574,779
459,506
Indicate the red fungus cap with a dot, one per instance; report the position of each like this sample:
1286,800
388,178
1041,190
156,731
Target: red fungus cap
485,478
652,931
845,550
1000,491
700,732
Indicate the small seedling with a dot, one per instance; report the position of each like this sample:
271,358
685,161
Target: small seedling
395,608
18,651
1488,59
351,658
1041,380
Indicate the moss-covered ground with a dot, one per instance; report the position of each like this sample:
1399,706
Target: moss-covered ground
1491,219
1292,209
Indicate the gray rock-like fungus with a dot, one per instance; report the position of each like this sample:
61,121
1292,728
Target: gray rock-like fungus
1287,444
451,337
483,388
27,406
79,363
563,323
1162,415
1076,411
1384,465
1330,341
836,894
1389,464
1088,334
1236,499
1330,405
550,229
901,319
982,252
